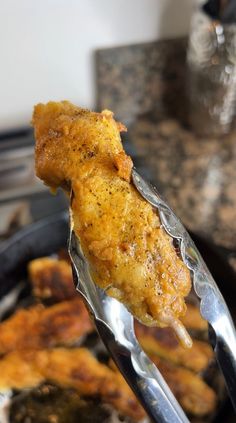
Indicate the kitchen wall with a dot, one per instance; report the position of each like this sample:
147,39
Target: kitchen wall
46,47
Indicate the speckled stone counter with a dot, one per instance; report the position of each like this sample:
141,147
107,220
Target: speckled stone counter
196,176
142,78
144,86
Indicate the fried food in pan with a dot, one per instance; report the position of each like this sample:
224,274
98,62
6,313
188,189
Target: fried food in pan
193,319
163,343
39,327
51,279
32,365
76,368
194,395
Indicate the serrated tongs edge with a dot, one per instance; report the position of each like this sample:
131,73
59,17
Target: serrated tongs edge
213,307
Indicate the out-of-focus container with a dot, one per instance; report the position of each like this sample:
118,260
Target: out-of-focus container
211,79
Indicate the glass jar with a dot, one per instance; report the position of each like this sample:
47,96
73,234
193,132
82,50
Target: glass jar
211,79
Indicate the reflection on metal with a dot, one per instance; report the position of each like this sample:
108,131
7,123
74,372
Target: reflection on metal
211,87
115,326
212,305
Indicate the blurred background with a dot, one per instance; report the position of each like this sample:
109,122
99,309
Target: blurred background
47,48
167,70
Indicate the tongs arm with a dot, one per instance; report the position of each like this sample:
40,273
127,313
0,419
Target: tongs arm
212,306
143,377
115,324
115,327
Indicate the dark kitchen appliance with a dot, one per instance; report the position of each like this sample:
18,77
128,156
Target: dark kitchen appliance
23,197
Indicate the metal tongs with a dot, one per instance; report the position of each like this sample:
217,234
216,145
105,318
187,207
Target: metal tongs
115,324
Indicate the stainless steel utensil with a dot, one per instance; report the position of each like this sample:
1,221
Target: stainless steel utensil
115,324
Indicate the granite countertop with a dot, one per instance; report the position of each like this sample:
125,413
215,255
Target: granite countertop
196,176
143,85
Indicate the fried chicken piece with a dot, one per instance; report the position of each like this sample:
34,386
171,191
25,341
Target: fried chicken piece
63,254
39,327
193,319
51,278
18,371
163,343
78,369
130,254
194,395
75,368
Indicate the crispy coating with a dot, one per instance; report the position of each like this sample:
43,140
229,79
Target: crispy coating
163,343
18,371
51,278
129,253
75,368
39,327
195,396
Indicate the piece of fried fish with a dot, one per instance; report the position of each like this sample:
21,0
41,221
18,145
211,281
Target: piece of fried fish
130,254
75,368
39,327
52,279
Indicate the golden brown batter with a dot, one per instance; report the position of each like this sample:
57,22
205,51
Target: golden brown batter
76,368
130,255
51,278
39,327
